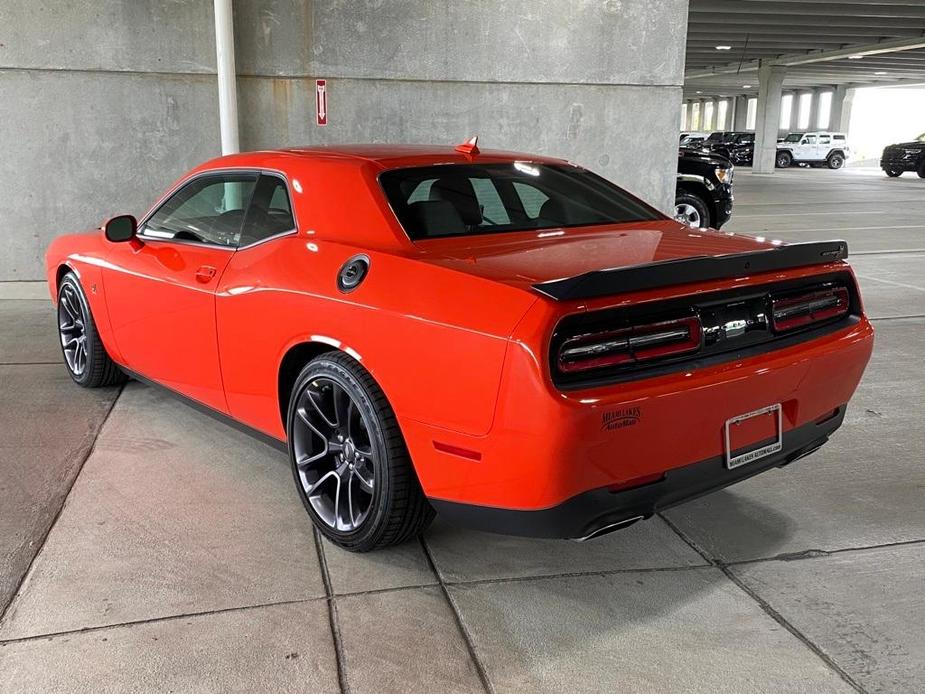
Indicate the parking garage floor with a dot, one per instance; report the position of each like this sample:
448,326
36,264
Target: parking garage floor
144,546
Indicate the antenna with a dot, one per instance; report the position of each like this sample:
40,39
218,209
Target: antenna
470,146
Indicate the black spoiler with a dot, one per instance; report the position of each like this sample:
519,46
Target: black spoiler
696,269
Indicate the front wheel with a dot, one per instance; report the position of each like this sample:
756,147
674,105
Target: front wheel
893,173
690,210
84,354
835,161
351,467
783,160
921,170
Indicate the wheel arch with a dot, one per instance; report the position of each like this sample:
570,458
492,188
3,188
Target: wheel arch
699,189
291,365
62,270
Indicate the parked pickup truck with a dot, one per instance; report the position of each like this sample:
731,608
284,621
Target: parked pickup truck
906,156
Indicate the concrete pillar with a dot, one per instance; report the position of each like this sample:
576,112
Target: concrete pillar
740,112
714,119
814,110
767,118
842,99
701,118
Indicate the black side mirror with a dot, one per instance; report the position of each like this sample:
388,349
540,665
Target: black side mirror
121,228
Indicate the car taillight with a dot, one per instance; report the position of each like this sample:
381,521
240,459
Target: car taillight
806,308
638,343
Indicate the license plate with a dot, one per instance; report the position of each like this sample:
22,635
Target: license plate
753,435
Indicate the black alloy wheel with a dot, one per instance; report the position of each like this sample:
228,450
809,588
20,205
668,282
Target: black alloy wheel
349,460
783,160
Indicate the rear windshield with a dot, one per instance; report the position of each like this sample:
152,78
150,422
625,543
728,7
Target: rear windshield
460,199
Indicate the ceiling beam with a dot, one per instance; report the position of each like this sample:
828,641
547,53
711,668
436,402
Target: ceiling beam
821,56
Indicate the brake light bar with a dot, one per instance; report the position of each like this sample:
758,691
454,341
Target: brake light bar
639,343
813,306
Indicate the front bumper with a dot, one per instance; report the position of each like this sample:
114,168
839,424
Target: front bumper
599,511
898,164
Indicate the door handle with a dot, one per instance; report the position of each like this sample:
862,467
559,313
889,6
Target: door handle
205,273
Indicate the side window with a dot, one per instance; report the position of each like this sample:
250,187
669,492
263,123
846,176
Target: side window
839,138
270,212
824,139
493,211
809,140
209,210
531,198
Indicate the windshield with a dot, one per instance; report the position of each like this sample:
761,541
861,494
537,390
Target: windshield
920,138
793,137
461,199
716,137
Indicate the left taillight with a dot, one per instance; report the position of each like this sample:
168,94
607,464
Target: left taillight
808,307
634,344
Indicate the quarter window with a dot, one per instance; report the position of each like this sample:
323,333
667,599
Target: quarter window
270,212
209,209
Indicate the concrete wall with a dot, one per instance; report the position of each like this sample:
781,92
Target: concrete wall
105,102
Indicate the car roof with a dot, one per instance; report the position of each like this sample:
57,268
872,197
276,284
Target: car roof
386,156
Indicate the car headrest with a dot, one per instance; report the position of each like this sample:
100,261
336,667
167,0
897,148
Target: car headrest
553,212
458,191
436,218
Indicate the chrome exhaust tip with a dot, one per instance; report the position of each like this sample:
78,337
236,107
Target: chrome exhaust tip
609,528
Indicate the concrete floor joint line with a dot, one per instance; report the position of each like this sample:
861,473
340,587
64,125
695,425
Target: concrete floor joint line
464,632
332,616
54,520
766,607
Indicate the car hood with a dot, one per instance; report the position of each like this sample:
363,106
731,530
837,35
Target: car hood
910,145
525,258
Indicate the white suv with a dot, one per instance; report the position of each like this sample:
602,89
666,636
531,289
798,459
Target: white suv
813,148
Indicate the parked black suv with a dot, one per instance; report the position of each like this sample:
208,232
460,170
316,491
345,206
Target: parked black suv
736,145
703,196
907,156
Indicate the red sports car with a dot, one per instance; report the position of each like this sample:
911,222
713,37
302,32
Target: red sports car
506,339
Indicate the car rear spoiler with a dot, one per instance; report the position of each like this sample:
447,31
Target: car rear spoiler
668,273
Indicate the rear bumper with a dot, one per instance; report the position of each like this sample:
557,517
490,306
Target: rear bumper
600,510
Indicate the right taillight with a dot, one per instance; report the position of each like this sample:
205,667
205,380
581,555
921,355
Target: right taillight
808,307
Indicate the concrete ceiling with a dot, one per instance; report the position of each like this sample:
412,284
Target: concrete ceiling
813,38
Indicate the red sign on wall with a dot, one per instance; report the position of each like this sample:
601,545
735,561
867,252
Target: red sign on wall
321,102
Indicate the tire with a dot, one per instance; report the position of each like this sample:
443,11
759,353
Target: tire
85,357
783,160
893,173
336,404
691,210
921,170
835,160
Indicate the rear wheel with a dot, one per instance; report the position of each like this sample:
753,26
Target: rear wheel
783,160
691,210
351,467
921,170
893,173
84,354
835,160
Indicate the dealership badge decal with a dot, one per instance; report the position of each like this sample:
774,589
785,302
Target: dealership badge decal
618,419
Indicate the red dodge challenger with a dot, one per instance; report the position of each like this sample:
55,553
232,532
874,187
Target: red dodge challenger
506,339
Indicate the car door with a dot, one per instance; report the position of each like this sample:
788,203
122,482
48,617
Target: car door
252,301
823,146
160,288
807,149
